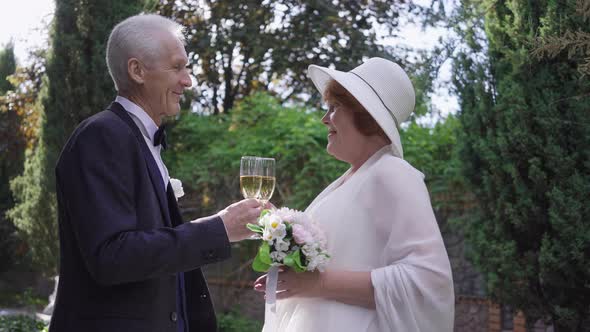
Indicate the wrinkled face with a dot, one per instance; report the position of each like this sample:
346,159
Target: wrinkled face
345,141
167,77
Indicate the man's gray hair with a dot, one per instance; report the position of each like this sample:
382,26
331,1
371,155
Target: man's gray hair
137,37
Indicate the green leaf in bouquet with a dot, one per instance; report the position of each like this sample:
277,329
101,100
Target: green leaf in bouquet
255,228
262,260
298,261
264,253
258,265
264,212
293,260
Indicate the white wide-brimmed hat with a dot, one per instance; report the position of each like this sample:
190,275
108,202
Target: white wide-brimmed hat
381,86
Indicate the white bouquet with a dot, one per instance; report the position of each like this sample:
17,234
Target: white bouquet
291,238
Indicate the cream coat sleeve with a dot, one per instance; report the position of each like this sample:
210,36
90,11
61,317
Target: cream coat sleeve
414,288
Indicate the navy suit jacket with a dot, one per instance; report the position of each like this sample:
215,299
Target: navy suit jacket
122,241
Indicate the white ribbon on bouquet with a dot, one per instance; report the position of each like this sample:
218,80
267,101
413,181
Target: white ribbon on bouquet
270,307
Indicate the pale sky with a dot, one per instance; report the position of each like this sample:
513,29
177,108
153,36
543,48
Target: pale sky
26,21
413,36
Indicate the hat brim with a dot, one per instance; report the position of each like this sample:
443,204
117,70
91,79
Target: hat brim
320,76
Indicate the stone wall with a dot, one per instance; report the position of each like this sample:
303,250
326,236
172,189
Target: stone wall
471,314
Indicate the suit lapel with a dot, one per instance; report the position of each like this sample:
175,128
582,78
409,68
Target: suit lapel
173,207
153,170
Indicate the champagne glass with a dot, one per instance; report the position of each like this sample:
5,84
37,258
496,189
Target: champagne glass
250,180
267,176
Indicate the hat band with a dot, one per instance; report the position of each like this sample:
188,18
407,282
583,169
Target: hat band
382,102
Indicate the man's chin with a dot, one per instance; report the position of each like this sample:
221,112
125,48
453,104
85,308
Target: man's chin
173,110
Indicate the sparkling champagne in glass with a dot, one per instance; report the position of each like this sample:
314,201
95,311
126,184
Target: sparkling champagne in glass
250,181
267,179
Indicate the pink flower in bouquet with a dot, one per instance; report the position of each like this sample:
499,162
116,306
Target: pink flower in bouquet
301,235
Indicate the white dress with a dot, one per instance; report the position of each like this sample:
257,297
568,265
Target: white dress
380,220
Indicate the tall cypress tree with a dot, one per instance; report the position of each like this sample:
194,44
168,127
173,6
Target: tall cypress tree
7,67
11,155
77,85
526,153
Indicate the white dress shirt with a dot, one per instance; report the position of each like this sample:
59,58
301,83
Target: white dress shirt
148,128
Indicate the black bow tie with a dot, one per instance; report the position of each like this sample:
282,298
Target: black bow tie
160,137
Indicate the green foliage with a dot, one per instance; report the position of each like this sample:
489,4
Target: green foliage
241,47
35,213
433,151
234,321
576,43
206,152
22,299
525,149
77,85
11,157
21,323
13,298
29,300
20,107
7,67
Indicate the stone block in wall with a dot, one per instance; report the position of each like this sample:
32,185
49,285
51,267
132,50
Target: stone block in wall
471,314
519,322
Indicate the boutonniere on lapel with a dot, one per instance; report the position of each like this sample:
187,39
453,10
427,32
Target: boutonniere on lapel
177,188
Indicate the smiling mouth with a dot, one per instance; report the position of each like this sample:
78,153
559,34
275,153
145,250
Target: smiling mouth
331,132
177,95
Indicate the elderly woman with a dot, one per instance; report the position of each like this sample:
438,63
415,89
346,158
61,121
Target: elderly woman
389,269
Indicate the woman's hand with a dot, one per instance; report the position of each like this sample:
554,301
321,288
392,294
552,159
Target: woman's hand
290,283
350,287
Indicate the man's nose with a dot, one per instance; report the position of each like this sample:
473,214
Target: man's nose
186,79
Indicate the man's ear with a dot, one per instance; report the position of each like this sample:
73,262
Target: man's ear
136,70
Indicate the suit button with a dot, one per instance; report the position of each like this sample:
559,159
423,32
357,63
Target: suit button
173,316
203,296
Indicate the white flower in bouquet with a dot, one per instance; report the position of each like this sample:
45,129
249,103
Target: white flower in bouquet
281,245
318,262
310,250
278,256
274,228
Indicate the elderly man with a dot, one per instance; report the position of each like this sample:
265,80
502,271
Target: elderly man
128,262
